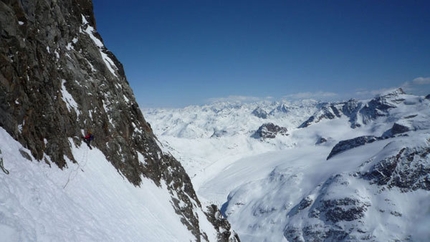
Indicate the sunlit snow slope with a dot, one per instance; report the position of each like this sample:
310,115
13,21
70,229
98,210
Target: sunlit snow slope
89,201
374,187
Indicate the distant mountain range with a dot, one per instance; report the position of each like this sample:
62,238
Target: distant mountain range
354,170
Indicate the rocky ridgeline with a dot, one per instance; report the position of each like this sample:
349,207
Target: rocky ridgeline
57,80
358,112
325,111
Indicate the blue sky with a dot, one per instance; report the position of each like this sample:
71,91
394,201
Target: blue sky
190,52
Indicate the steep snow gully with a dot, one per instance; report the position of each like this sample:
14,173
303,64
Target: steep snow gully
343,171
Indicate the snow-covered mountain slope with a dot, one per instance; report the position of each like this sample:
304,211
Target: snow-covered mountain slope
360,172
86,202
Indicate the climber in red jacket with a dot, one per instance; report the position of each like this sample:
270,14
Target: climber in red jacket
88,138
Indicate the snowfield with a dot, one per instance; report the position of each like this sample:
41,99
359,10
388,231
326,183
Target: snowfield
285,189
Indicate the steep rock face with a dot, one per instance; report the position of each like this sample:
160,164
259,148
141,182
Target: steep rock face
32,108
57,80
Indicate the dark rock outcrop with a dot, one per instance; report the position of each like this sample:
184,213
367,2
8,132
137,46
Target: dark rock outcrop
351,143
269,131
399,128
408,170
344,209
57,80
221,224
